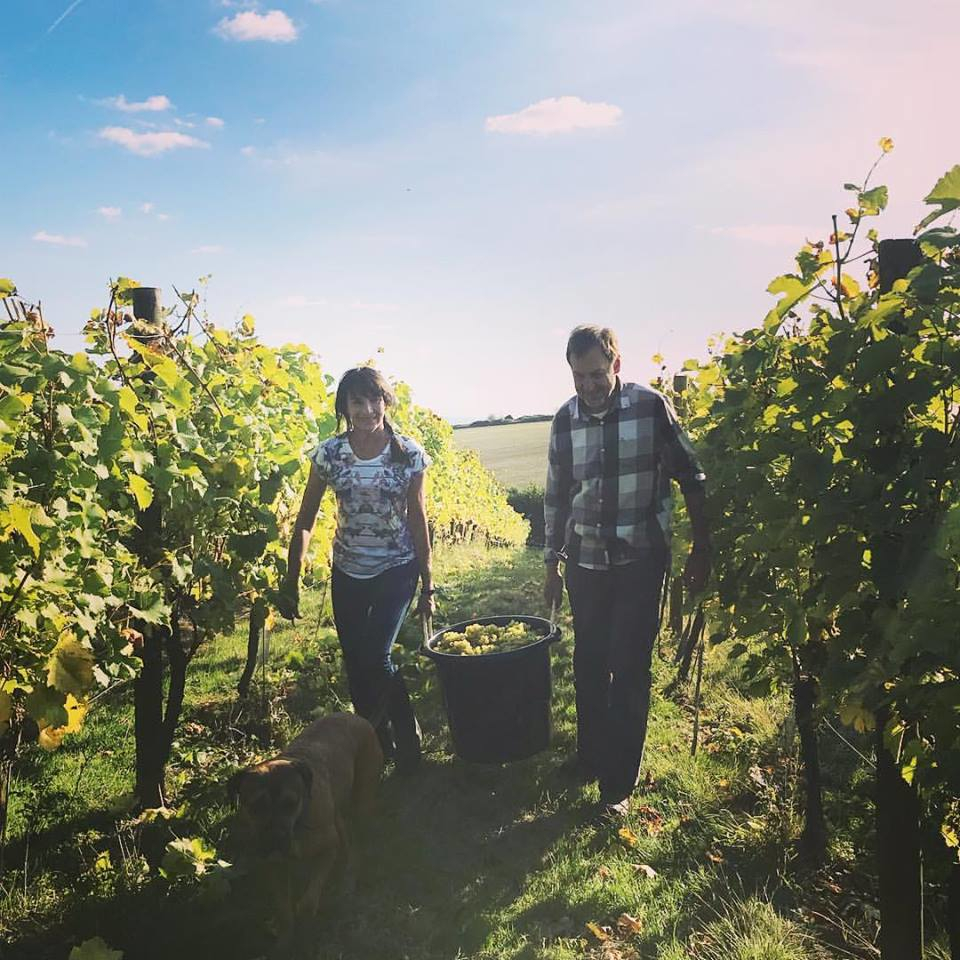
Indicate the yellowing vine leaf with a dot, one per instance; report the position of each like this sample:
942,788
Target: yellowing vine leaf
141,490
628,836
20,521
599,932
70,667
950,836
50,738
857,716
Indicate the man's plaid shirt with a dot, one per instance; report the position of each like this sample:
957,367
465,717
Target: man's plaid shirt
607,498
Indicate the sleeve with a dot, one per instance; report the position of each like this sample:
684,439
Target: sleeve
419,458
320,458
556,495
677,453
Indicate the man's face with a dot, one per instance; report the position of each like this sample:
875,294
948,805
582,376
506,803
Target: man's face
594,378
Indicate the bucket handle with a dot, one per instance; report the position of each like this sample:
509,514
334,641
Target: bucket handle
555,633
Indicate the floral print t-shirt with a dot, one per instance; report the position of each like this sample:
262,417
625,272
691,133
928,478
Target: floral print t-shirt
372,532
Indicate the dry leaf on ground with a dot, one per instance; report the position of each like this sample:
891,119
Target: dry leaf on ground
601,933
628,926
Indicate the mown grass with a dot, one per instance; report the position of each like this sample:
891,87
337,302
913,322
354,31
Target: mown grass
516,453
461,860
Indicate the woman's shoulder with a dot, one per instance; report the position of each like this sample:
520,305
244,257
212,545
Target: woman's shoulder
419,458
330,449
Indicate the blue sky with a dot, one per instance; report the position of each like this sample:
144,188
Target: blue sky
457,183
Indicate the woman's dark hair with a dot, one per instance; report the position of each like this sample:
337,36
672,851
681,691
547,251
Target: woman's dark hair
370,383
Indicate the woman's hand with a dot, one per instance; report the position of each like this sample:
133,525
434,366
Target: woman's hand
288,601
426,607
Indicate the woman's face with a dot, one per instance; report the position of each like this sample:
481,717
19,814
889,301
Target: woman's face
365,413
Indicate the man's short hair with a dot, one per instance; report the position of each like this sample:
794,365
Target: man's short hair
583,339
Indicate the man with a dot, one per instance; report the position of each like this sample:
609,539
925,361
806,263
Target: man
614,448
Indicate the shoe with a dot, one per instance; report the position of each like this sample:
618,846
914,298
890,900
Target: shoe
615,811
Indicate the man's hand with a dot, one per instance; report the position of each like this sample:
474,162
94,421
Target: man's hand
288,601
697,568
553,587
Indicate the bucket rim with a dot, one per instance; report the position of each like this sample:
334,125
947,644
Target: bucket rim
552,635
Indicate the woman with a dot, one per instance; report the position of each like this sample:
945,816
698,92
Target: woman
380,550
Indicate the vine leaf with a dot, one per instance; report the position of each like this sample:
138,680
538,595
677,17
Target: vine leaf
20,521
70,667
857,716
141,490
51,737
95,949
946,194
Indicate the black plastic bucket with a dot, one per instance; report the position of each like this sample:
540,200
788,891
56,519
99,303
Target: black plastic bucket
498,704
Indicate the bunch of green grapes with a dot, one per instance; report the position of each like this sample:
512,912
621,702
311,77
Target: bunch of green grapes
480,638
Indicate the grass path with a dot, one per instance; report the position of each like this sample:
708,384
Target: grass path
461,861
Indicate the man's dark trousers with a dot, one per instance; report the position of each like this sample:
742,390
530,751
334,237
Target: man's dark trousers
616,616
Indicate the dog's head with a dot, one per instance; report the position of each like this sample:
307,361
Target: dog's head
270,798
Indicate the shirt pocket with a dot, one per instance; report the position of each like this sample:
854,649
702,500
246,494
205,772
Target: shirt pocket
586,453
637,446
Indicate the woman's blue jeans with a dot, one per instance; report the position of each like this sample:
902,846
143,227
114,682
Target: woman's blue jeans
368,614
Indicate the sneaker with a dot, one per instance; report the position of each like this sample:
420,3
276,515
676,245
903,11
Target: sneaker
615,810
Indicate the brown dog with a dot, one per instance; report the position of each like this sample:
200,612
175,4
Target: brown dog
292,811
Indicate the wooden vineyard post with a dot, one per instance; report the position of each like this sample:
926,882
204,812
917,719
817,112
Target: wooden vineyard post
148,687
899,867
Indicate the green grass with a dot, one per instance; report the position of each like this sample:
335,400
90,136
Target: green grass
515,452
461,860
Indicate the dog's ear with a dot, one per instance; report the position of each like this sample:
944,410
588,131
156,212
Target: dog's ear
306,772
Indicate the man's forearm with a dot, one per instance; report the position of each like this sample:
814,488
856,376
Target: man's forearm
696,500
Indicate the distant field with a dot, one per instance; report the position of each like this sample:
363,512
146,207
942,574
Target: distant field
515,452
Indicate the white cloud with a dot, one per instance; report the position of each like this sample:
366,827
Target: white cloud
297,301
274,26
163,216
208,248
58,239
146,207
155,104
556,115
148,144
185,124
248,151
215,122
109,213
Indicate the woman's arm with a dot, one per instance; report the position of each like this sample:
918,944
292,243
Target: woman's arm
417,521
302,530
